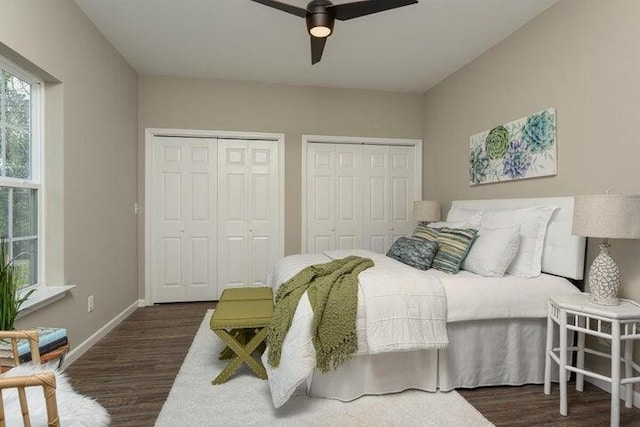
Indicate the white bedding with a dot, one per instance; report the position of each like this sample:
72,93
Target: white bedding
468,297
473,297
399,309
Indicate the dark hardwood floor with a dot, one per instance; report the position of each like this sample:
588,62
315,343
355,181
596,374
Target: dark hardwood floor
529,406
131,370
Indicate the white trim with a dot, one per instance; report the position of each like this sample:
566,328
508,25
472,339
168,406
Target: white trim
43,296
37,181
150,133
19,183
222,134
83,347
328,139
606,386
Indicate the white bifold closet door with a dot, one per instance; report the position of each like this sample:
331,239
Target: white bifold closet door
358,196
334,197
388,195
184,244
215,216
248,212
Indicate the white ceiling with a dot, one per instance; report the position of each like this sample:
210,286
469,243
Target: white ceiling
409,49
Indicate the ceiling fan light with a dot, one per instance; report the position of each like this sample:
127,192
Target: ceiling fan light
320,31
319,24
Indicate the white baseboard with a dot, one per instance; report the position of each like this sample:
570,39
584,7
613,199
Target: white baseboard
83,347
607,387
142,303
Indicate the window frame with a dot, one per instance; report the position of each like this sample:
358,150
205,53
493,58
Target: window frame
37,162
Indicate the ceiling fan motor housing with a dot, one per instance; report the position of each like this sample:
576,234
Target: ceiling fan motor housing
319,16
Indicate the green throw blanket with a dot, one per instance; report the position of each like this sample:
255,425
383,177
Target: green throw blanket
333,293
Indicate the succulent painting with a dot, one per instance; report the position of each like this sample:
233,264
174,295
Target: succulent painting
539,132
497,142
478,164
517,160
523,148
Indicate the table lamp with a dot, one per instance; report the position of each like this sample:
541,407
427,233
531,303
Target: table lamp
426,210
606,216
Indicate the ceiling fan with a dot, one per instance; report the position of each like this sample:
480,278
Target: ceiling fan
321,15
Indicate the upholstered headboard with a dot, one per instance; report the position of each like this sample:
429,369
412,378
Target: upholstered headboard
563,253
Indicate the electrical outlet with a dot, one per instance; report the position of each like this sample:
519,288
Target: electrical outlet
136,208
90,304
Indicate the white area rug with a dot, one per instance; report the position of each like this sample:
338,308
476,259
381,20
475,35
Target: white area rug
245,401
74,409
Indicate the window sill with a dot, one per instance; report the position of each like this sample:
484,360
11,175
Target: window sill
43,296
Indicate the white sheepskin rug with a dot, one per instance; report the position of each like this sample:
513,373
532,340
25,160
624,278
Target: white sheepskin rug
74,409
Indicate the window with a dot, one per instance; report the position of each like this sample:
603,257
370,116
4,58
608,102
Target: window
20,174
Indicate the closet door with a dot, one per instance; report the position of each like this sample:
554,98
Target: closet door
334,197
376,207
388,176
183,238
320,197
401,191
248,212
358,195
348,196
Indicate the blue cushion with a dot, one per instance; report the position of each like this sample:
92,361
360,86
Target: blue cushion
417,253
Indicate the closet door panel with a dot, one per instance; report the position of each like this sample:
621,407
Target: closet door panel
348,203
183,253
264,212
402,172
232,214
320,197
199,235
375,191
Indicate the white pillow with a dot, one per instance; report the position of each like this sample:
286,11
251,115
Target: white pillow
493,251
471,216
450,224
533,229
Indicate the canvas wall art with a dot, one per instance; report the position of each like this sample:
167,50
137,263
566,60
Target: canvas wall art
523,148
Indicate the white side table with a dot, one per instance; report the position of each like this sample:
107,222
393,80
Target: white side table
619,324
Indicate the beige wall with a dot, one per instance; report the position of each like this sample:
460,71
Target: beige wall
91,125
166,102
581,57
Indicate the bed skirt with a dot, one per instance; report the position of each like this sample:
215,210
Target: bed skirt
480,353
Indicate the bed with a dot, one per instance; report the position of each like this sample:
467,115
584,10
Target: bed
496,326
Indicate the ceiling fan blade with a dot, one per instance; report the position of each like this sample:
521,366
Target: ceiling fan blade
357,9
317,47
294,10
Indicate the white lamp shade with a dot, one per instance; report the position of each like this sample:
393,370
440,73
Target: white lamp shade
426,210
607,216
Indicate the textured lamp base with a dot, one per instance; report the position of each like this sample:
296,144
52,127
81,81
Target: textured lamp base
604,278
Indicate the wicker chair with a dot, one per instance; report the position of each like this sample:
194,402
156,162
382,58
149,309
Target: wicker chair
46,380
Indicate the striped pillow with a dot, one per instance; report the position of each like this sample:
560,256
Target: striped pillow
453,247
424,232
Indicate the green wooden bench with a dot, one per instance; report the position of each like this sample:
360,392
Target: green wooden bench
241,319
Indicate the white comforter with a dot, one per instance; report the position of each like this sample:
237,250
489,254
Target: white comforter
399,309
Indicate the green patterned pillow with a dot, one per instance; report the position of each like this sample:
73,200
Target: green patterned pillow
453,247
425,232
